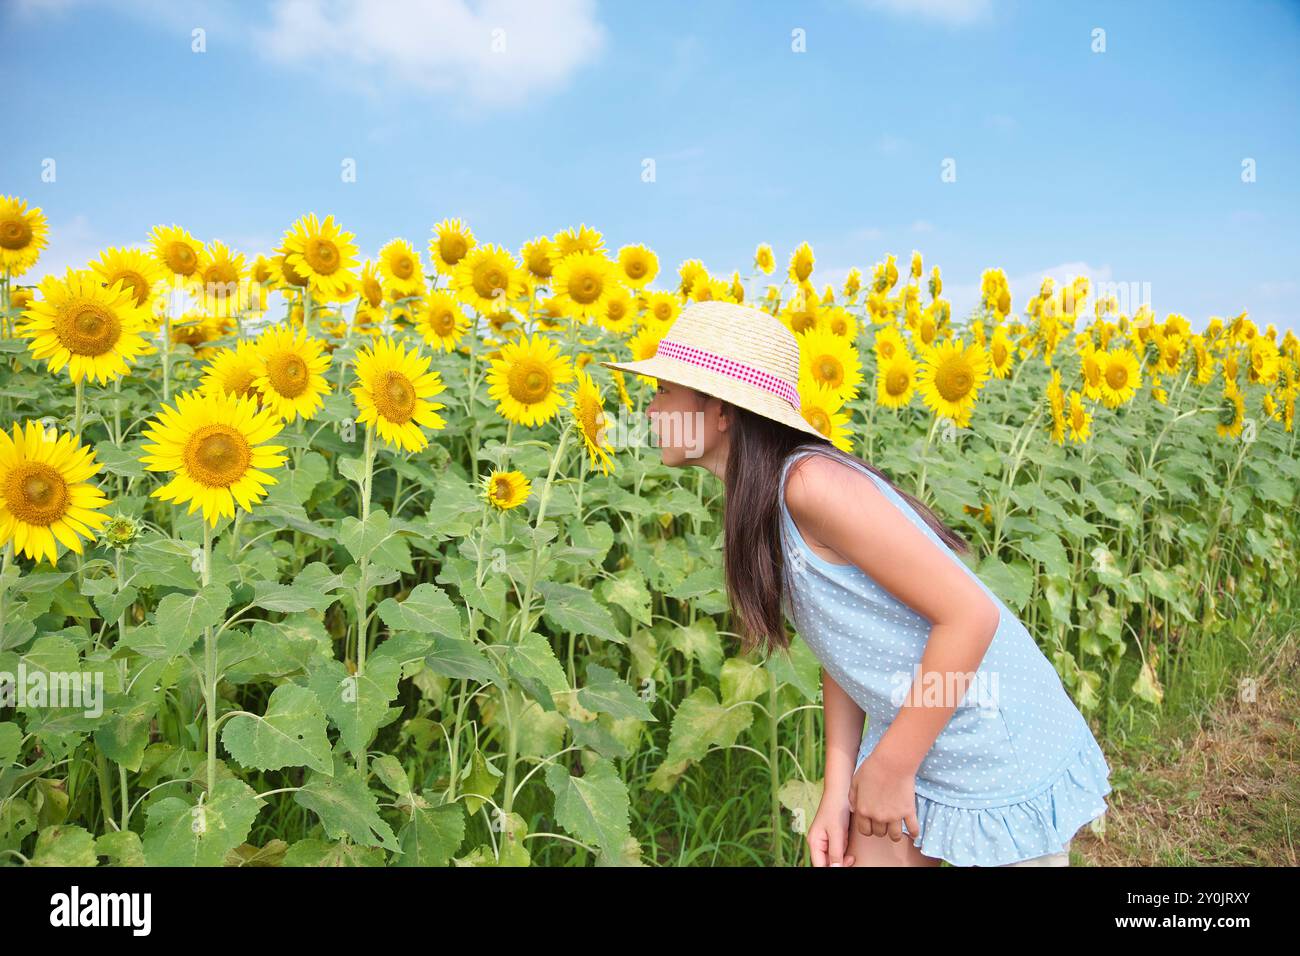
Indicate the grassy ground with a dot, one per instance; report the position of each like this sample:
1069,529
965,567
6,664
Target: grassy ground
1214,787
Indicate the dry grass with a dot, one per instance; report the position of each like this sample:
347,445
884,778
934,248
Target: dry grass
1221,790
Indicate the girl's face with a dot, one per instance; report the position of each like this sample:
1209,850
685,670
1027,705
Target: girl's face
689,427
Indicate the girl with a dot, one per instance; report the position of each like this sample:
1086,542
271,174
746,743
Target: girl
973,750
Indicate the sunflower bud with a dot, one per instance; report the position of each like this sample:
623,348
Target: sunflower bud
120,531
666,519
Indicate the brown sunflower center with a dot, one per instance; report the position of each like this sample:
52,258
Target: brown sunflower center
585,288
403,267
134,281
394,397
452,247
88,328
530,382
490,280
217,456
830,371
617,310
1117,376
292,275
635,268
180,259
322,255
664,311
36,494
803,321
288,373
896,381
953,380
819,420
501,489
999,352
374,292
15,233
443,322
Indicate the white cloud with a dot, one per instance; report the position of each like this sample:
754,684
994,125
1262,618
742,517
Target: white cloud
922,225
952,12
497,52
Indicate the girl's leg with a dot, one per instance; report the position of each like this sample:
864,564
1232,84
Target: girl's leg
882,851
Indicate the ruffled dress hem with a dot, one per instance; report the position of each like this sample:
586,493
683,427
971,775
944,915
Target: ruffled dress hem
1035,826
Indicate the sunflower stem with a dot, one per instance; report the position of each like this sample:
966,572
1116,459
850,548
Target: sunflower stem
79,390
525,609
209,666
363,588
167,355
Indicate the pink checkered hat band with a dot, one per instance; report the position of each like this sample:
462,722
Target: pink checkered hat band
731,368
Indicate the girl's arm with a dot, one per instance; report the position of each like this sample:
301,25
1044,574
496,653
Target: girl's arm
845,510
843,737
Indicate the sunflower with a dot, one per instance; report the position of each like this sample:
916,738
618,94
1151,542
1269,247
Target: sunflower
1120,376
1056,396
232,370
539,257
620,311
950,379
176,249
219,277
1232,413
23,234
441,320
285,277
896,380
687,273
830,360
393,392
488,278
644,344
589,415
662,307
1265,361
571,242
1001,353
853,283
708,289
135,268
45,494
638,266
91,329
764,260
215,445
291,372
401,268
801,263
505,489
822,409
887,342
802,313
452,240
841,322
322,253
583,284
197,328
525,378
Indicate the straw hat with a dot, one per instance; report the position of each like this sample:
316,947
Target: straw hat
740,354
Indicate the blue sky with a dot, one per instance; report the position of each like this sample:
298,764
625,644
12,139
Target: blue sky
1125,165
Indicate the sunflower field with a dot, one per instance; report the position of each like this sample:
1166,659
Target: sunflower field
310,560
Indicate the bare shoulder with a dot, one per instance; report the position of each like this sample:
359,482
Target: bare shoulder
819,483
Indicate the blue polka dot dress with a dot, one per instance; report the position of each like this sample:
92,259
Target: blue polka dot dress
1015,772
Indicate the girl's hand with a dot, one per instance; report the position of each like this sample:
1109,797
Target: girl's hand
828,835
883,798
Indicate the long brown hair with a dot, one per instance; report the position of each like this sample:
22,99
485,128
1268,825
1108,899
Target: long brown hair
756,576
